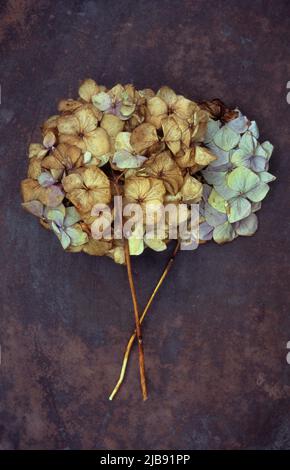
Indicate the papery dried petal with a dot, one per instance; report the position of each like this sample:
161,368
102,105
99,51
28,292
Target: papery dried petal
143,137
88,89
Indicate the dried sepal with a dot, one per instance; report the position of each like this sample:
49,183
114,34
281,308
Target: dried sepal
88,89
164,167
143,137
87,187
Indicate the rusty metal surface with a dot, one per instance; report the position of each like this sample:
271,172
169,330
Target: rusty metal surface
215,343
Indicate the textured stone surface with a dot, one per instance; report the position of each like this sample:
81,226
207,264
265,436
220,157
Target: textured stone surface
215,343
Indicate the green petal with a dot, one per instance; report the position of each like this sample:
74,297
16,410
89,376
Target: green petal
240,158
211,130
122,142
56,215
103,159
46,179
87,157
248,226
224,191
268,148
226,138
253,128
102,101
124,159
217,202
76,235
155,244
224,233
266,177
260,152
248,143
214,217
258,193
56,229
239,208
214,177
242,180
64,240
127,110
71,216
136,246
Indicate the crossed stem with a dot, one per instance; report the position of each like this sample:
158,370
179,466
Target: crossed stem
133,336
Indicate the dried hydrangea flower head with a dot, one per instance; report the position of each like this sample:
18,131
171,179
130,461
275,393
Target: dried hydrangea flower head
151,149
162,147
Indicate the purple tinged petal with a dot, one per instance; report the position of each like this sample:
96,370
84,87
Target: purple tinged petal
46,179
55,196
34,207
258,164
205,231
240,124
214,217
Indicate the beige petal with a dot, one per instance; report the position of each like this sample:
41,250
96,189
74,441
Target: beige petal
73,140
203,156
185,130
87,89
136,189
69,105
167,94
34,168
185,157
97,247
171,130
36,150
98,185
49,139
112,124
117,254
183,107
156,121
30,190
174,146
97,142
81,199
51,196
164,167
130,91
143,137
157,190
72,181
116,92
87,119
100,195
191,190
68,155
122,142
94,177
68,124
156,106
201,118
50,124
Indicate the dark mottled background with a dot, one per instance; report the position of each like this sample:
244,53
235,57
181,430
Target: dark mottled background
215,343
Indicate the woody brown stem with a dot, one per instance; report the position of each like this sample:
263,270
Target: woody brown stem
133,336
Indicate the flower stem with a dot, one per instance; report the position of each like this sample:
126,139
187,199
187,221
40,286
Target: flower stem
137,323
132,338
